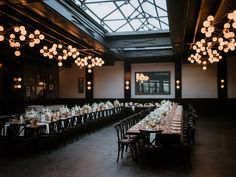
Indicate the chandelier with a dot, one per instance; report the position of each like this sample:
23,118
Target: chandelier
59,52
140,77
18,37
89,62
219,37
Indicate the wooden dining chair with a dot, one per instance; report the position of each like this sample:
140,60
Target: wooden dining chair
150,144
123,142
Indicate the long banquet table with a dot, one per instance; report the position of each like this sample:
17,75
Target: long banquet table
171,124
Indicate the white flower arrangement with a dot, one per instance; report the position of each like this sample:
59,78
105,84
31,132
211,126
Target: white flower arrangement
31,114
64,111
76,108
116,103
101,106
87,108
159,113
109,105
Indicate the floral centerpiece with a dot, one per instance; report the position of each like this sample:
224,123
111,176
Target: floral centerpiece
64,111
87,109
109,105
116,103
47,113
75,110
31,116
153,118
159,114
101,106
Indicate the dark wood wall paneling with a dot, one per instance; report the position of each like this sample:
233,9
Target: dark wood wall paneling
14,100
127,77
222,74
89,93
178,76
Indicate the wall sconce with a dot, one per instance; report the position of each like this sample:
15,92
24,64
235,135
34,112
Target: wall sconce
127,85
42,84
89,85
222,83
177,84
1,65
17,82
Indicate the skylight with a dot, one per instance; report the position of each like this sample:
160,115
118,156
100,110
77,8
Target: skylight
127,15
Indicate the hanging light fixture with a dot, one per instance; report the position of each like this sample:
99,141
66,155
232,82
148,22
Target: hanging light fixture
17,37
219,38
60,52
89,62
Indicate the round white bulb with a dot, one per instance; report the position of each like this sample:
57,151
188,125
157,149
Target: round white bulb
210,18
1,28
22,37
31,44
12,36
41,37
22,28
36,32
60,63
31,36
16,29
17,53
1,38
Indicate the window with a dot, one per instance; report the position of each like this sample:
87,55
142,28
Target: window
127,15
152,83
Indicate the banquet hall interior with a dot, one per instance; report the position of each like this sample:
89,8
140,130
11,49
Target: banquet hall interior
94,88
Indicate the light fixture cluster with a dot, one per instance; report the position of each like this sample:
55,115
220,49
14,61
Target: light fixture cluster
219,37
89,62
18,37
17,82
89,85
222,83
177,84
140,77
59,52
127,85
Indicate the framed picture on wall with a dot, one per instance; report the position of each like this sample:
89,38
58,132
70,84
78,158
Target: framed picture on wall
152,83
80,85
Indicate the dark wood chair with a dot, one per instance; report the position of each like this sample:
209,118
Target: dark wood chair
150,144
123,142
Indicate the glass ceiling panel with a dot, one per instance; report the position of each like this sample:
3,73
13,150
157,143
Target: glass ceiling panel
161,12
127,15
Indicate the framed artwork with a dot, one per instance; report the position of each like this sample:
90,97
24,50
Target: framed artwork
80,85
152,83
27,91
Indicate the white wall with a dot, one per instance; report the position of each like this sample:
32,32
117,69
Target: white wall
231,76
68,82
150,67
197,83
109,81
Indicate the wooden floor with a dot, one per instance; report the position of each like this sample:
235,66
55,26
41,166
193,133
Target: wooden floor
94,155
